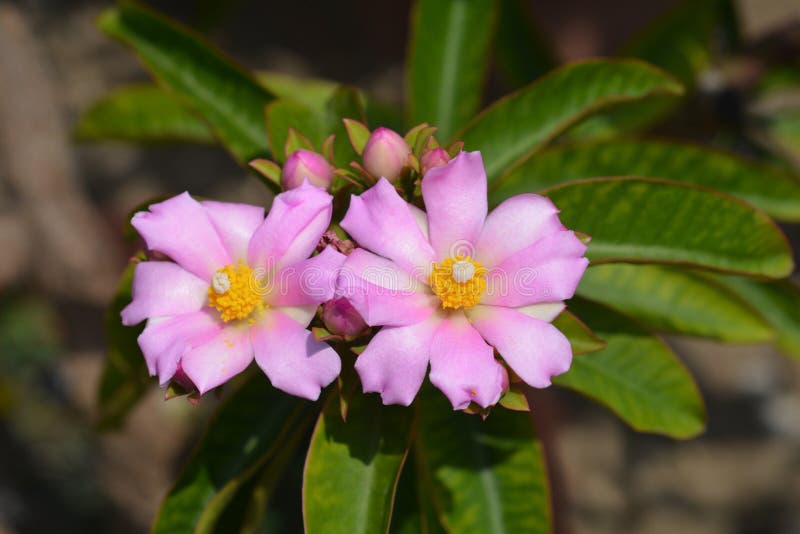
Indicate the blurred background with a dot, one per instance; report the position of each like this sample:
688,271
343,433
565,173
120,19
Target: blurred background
63,206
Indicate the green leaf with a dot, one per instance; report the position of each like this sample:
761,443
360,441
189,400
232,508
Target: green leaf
582,339
413,510
447,61
247,431
675,301
486,475
353,466
766,187
125,379
283,115
226,96
650,220
779,304
312,92
514,127
344,103
141,113
637,376
522,51
358,133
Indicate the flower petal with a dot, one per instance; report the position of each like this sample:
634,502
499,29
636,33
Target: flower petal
455,201
384,223
290,356
165,340
310,281
163,289
534,349
463,365
292,229
546,311
235,224
396,360
546,271
381,292
515,224
181,228
219,359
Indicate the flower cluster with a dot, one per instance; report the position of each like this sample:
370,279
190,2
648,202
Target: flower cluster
468,293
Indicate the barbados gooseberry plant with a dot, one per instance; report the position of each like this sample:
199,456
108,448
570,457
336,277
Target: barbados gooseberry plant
420,270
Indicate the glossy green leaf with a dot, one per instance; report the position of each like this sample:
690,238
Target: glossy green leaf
124,379
447,61
522,51
649,220
637,376
582,339
249,429
486,475
345,103
514,127
769,188
229,99
779,304
141,113
353,466
674,300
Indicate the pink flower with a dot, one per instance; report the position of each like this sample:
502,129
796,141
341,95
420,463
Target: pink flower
239,286
306,165
386,154
451,286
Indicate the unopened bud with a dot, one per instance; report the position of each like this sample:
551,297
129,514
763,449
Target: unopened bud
386,154
303,164
434,158
341,318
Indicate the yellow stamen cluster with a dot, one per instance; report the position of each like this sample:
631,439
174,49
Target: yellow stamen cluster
233,292
458,281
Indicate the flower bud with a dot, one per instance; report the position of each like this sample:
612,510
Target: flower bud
434,158
386,154
302,164
341,318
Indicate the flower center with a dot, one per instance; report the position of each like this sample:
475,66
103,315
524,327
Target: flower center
233,292
458,281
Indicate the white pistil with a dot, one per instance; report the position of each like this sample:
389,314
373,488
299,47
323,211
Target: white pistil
221,283
463,271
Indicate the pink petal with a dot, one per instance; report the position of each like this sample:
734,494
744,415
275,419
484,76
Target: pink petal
292,229
219,359
235,224
455,201
395,361
546,271
310,281
514,225
463,365
163,289
301,314
180,228
534,349
165,340
384,223
290,356
381,292
546,311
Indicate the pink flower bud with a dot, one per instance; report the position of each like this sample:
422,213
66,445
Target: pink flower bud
386,154
340,317
303,164
434,158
